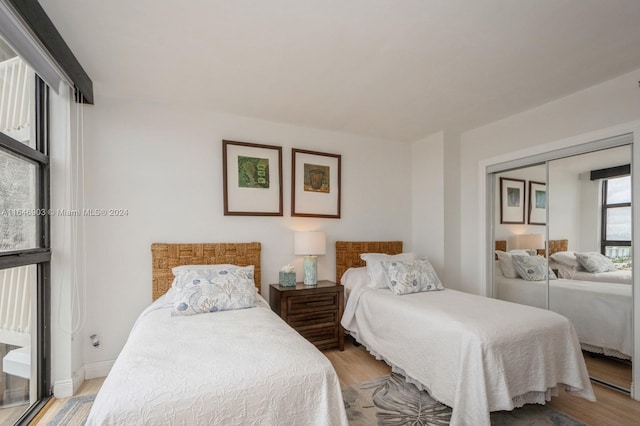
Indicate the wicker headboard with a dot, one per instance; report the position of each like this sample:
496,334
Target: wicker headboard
348,253
166,256
554,246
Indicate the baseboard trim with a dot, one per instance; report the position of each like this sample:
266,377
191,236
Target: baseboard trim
78,379
97,369
63,388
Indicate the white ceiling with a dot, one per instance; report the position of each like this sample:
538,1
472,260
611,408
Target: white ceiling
393,69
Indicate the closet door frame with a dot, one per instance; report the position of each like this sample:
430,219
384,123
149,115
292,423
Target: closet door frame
625,134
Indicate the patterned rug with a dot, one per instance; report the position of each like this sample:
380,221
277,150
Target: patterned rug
74,412
390,400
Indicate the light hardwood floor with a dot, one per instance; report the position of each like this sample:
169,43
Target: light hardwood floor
613,408
355,365
89,387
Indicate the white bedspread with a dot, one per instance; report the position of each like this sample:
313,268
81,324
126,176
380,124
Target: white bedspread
602,313
472,353
619,277
243,367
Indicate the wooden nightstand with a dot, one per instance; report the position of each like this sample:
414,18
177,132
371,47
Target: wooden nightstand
314,312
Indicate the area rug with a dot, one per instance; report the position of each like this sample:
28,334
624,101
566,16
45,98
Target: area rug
74,412
390,400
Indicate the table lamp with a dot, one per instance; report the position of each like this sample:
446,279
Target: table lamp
530,242
310,244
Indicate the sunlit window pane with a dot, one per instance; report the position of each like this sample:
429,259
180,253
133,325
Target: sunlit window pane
619,224
18,213
17,338
16,87
619,190
621,256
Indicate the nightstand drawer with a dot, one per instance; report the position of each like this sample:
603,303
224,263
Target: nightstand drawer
320,335
313,302
313,311
312,318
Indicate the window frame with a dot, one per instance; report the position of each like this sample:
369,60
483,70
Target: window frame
40,256
604,243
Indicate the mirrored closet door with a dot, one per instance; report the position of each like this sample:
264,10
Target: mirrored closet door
571,216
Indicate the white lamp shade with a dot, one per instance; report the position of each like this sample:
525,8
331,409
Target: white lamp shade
310,243
529,241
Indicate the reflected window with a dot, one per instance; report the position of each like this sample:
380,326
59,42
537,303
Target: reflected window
616,220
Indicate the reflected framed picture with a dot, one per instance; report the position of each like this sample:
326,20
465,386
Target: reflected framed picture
251,179
512,192
315,184
537,203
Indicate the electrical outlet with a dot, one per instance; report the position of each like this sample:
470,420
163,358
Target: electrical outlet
95,340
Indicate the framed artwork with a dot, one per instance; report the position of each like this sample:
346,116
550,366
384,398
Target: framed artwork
251,179
511,201
537,203
315,184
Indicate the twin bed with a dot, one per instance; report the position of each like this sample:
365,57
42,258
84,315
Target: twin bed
247,366
472,353
233,367
598,304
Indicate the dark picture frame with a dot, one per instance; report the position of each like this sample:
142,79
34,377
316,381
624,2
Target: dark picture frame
251,179
512,199
315,184
537,203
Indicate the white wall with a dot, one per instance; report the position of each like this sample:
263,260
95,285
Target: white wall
550,126
163,164
566,210
590,215
427,169
66,315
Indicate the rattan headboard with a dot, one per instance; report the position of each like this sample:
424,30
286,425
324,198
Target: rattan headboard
348,253
166,256
554,246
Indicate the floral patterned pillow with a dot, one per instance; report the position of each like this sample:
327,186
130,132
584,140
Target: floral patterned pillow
595,262
532,268
411,276
185,274
234,289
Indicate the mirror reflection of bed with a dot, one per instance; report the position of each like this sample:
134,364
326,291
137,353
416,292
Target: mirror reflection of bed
589,213
600,311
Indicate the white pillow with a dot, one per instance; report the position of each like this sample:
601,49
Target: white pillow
506,264
375,270
215,267
354,278
567,258
186,273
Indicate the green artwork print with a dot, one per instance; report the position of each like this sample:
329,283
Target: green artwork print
253,172
316,178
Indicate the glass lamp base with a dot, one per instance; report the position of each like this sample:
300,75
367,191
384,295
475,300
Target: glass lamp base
310,265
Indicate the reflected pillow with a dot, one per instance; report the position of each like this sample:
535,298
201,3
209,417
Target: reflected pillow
595,262
506,264
374,266
567,258
411,276
532,268
227,291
